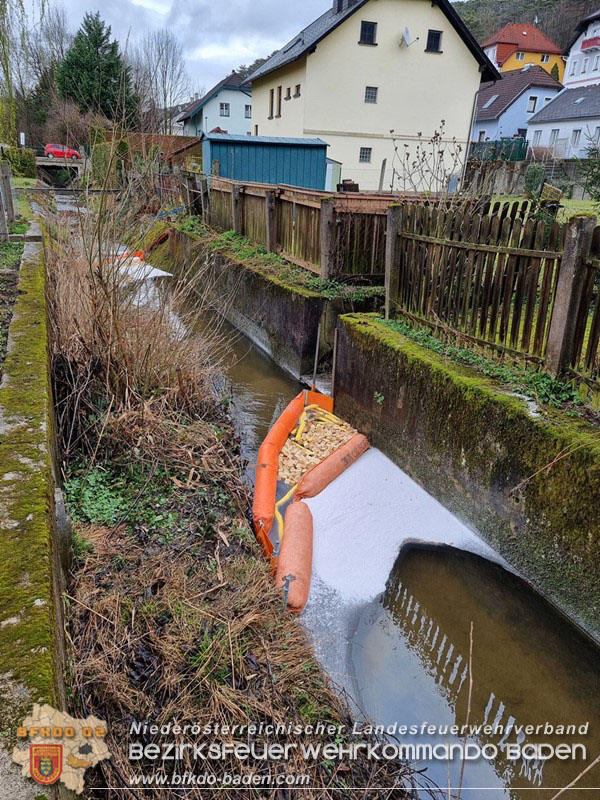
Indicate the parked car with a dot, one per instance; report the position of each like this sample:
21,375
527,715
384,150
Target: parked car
61,151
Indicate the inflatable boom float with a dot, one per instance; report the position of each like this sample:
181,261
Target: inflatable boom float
308,447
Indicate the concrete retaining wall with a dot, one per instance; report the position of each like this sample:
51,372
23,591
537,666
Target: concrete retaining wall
484,455
31,551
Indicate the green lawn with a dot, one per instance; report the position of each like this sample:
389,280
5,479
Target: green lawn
24,183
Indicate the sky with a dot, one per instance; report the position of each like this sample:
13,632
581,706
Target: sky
217,35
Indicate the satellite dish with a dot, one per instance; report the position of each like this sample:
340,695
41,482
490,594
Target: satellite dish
406,38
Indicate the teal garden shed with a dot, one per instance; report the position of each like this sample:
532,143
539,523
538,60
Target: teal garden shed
266,159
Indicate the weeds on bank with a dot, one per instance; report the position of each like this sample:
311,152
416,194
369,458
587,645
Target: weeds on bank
278,267
532,383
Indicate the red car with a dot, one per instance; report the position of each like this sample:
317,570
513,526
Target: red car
60,151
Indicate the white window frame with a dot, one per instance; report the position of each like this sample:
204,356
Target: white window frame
537,135
224,109
545,58
365,155
520,56
481,136
573,69
248,111
576,137
596,64
532,101
554,136
584,65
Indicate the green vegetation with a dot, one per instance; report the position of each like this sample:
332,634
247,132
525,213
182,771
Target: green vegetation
532,383
276,266
534,180
23,183
22,161
93,74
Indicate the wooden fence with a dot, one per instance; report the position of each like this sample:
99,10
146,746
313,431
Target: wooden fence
524,287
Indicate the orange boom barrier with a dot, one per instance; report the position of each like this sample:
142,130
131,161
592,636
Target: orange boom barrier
265,489
294,566
321,475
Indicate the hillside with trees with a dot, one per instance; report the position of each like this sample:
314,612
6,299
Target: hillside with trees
556,18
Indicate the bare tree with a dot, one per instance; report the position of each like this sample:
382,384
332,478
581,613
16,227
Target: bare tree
160,78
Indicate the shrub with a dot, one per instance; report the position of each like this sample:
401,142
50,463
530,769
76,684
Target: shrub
534,180
104,165
21,160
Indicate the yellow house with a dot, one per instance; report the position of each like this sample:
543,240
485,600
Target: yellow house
373,79
521,43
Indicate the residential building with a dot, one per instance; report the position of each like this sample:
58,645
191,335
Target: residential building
520,43
228,107
583,62
368,77
505,107
570,123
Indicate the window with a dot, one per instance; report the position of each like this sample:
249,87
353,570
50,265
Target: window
575,137
490,102
531,104
256,130
596,63
537,135
553,136
365,155
547,100
434,42
368,33
288,93
371,94
597,135
481,137
545,58
297,92
573,68
520,56
224,109
271,103
248,112
279,98
584,66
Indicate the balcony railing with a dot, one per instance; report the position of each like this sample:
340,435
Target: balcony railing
593,43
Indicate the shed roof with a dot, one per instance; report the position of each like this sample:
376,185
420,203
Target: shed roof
571,104
524,36
310,36
496,96
281,140
233,81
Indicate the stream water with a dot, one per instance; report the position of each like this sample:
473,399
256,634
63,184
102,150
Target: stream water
399,643
405,651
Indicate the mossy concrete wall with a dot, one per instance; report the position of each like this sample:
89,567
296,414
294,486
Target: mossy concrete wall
31,643
484,455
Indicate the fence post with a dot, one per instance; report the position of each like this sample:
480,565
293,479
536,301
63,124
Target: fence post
392,249
204,198
236,208
6,175
327,239
578,241
271,220
3,223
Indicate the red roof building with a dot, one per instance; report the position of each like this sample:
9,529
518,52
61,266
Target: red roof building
520,43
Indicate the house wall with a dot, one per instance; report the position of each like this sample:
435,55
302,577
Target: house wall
516,116
535,58
291,121
564,147
209,116
574,74
416,89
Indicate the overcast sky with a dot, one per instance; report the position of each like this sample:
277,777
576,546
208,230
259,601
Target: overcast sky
217,35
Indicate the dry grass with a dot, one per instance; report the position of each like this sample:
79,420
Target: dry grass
185,626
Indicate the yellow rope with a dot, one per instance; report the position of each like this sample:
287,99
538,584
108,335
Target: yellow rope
278,515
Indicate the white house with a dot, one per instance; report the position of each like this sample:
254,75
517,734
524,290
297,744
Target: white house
369,76
227,107
570,123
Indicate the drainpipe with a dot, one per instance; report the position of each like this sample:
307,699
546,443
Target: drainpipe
473,113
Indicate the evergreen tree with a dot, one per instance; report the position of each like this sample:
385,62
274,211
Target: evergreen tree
554,72
93,73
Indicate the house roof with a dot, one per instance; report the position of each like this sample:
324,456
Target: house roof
281,140
496,96
305,41
571,104
233,81
522,36
581,26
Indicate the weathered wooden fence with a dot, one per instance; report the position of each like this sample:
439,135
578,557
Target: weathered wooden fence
523,287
